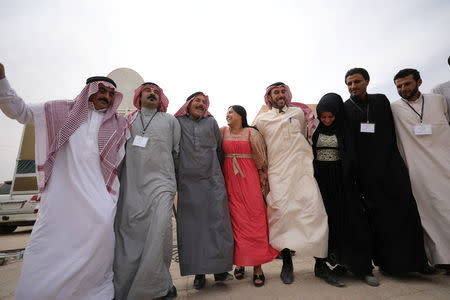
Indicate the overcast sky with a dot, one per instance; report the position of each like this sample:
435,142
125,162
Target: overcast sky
231,50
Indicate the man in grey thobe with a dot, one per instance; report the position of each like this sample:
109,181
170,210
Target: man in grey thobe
205,237
143,223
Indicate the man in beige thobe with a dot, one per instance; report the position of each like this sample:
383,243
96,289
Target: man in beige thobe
297,216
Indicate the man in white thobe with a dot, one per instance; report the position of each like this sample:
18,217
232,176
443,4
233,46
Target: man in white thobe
297,217
423,138
444,90
79,144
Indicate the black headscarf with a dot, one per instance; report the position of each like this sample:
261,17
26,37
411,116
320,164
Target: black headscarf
332,103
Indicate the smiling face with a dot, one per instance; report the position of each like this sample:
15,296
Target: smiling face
278,96
357,85
150,96
327,118
233,118
103,98
408,88
197,107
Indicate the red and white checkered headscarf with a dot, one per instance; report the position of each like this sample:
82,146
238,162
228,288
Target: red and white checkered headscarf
309,114
64,117
163,101
183,111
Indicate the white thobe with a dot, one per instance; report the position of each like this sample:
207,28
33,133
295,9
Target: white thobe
297,216
444,90
71,248
428,161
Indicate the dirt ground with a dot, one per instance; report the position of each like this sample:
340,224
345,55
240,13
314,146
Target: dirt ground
410,286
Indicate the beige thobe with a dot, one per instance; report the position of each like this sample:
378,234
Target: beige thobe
297,217
428,161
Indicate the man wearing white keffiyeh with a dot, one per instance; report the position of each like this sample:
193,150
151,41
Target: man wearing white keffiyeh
79,144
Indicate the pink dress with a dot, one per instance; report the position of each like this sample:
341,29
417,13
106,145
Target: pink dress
247,208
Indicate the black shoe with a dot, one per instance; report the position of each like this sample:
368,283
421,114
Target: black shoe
225,276
260,277
321,270
199,281
239,273
287,271
371,280
339,271
428,270
172,293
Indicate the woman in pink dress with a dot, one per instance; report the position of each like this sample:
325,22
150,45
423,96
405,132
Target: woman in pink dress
245,173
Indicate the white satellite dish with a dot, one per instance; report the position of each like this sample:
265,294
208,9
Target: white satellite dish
127,81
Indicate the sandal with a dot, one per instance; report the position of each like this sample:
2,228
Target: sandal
259,277
239,273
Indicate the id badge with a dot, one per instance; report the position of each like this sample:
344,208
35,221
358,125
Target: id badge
368,127
422,129
140,141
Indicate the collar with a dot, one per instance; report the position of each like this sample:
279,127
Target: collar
418,100
277,110
190,117
148,111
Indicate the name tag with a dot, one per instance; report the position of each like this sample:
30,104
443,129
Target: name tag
140,141
422,129
368,127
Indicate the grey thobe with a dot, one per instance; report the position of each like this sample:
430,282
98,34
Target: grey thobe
205,237
143,223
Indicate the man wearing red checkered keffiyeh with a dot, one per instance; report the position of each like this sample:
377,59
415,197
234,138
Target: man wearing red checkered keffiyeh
143,224
297,216
79,144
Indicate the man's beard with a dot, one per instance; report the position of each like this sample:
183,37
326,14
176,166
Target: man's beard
412,94
275,104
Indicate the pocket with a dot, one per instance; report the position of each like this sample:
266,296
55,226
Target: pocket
294,126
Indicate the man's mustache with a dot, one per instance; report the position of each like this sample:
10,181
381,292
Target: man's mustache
199,107
151,97
104,100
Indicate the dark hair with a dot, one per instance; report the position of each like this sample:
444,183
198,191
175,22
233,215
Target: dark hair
354,71
241,111
407,72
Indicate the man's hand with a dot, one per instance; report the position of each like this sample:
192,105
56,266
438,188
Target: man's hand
2,71
264,182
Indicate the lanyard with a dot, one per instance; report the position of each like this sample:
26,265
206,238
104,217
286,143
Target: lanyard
421,113
360,109
142,122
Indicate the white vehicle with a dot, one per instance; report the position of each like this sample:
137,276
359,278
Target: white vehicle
19,198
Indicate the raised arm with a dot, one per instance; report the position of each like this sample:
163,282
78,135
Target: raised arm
12,105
